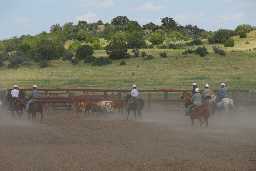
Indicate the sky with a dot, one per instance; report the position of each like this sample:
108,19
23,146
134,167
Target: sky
20,17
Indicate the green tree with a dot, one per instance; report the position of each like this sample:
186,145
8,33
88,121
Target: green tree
244,28
84,52
156,38
221,36
120,20
169,23
47,49
117,48
55,28
150,26
135,39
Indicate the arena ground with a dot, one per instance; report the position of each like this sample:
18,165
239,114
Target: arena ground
162,140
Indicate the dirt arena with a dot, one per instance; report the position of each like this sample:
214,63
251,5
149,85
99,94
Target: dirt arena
162,140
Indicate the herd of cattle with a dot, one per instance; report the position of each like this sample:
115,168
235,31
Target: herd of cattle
80,104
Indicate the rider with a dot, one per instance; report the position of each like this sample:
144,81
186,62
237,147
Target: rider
196,100
35,94
15,92
194,86
207,92
222,92
135,93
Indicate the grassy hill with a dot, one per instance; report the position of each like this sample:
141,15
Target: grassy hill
177,71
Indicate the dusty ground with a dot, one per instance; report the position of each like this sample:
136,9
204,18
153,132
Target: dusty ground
162,140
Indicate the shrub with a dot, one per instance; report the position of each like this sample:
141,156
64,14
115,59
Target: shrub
117,48
219,51
202,51
195,42
16,61
188,51
89,59
136,52
163,55
101,61
221,36
83,52
67,56
229,43
242,35
143,54
43,64
122,63
149,57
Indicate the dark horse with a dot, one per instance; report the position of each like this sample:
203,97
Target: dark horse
201,113
134,104
16,105
35,107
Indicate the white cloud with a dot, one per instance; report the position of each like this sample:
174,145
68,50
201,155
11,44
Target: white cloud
233,17
97,3
89,17
149,7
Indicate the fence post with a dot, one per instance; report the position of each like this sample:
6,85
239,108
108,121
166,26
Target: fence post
166,96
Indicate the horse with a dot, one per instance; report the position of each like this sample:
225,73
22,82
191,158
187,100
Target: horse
187,98
226,104
17,105
134,104
202,113
34,108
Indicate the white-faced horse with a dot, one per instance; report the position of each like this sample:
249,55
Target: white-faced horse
226,104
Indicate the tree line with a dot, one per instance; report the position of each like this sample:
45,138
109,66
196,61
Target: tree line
76,42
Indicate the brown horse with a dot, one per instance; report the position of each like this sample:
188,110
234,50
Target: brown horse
201,113
187,98
34,108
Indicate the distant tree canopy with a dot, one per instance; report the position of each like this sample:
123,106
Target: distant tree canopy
245,28
120,21
83,52
169,23
221,36
82,38
117,48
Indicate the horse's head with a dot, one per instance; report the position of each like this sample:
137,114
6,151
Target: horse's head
186,98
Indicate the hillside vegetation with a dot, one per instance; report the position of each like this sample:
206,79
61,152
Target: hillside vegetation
120,53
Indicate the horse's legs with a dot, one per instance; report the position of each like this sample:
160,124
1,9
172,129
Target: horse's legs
42,116
201,122
33,115
192,121
128,113
206,121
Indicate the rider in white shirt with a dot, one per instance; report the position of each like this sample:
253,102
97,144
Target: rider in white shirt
134,92
15,92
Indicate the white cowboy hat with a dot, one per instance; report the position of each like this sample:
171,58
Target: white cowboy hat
207,85
134,86
15,86
197,90
34,86
223,84
194,84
